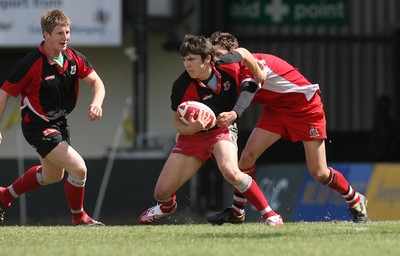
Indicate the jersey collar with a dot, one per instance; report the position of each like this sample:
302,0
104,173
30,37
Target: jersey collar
45,53
218,77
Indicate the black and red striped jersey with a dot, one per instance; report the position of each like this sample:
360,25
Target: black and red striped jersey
48,91
220,100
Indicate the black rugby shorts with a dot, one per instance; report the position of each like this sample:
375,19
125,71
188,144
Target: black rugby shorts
44,137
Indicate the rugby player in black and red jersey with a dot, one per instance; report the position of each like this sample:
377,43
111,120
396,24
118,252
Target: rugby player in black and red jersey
217,86
48,81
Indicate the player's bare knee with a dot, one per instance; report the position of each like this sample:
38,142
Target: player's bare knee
232,175
319,175
79,172
246,159
160,194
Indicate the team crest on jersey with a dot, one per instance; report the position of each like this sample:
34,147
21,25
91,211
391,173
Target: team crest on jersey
73,70
314,132
227,85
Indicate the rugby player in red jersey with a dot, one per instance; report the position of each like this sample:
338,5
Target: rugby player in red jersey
292,110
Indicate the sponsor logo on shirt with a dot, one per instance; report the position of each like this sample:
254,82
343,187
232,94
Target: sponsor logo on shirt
49,131
52,77
207,97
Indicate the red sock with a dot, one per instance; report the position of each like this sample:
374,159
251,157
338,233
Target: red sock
249,188
27,182
75,193
168,205
339,183
239,201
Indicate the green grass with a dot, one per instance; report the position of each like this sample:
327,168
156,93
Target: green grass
299,238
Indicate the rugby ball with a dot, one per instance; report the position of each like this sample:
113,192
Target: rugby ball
187,107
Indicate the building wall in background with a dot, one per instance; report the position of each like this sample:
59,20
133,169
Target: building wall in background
351,56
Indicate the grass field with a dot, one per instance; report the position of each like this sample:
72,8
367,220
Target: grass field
298,238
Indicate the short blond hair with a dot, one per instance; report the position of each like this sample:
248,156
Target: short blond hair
52,18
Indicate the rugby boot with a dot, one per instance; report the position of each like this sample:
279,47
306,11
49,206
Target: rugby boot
226,216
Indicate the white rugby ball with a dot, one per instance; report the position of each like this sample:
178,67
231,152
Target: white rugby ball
187,107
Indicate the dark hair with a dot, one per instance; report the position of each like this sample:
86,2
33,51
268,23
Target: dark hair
198,45
224,39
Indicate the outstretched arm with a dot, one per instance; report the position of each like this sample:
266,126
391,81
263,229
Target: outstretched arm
253,65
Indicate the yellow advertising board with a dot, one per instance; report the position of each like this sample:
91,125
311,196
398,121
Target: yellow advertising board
383,192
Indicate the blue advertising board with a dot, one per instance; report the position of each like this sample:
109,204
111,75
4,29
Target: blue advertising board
320,203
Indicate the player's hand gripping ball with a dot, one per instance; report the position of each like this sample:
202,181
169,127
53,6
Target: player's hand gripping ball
187,107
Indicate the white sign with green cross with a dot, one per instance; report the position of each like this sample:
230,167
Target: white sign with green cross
288,12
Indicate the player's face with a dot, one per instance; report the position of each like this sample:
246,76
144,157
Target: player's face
196,68
219,51
58,39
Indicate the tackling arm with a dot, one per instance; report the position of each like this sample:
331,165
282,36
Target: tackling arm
246,96
252,64
249,90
